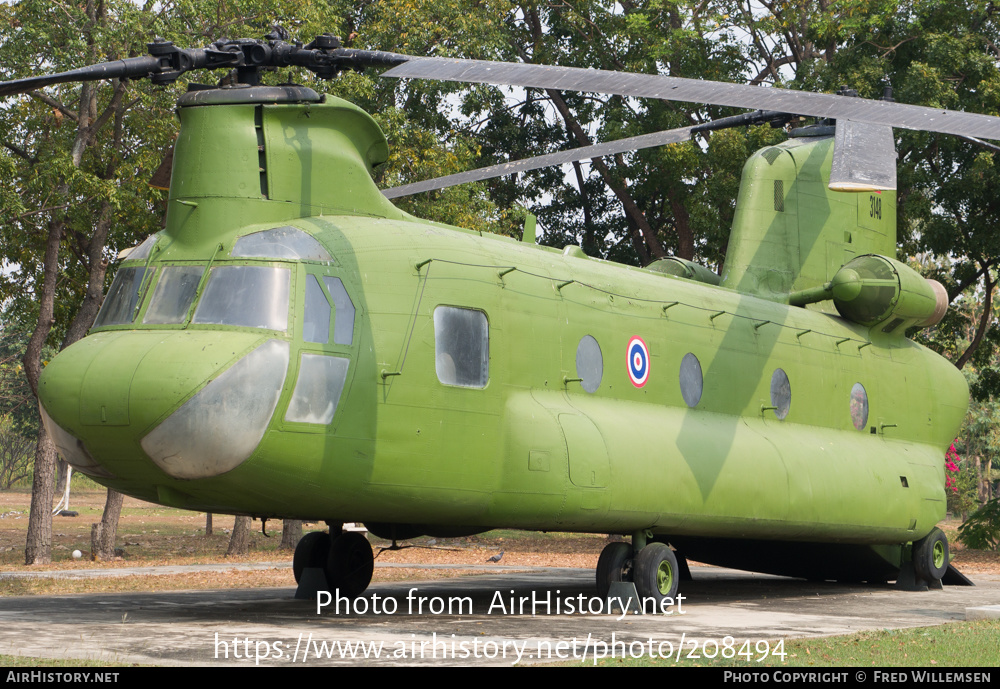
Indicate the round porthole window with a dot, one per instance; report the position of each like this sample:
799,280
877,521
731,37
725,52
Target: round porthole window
692,383
781,393
589,363
859,406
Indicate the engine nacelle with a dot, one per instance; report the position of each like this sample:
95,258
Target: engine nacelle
875,290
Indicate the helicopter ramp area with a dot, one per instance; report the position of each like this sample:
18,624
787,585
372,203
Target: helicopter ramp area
518,616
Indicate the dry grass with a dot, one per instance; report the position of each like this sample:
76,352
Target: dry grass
152,535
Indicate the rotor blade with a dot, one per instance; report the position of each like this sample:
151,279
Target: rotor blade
708,92
984,144
864,158
634,143
129,68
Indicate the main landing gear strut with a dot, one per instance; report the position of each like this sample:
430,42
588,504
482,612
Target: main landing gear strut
652,567
344,556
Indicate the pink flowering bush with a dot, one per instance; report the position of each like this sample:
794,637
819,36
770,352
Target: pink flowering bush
951,460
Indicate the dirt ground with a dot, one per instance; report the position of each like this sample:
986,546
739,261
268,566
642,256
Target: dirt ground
150,534
154,535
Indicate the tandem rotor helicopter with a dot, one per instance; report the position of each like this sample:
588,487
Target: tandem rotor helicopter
292,345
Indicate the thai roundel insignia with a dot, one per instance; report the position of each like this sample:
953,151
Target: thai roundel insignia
638,362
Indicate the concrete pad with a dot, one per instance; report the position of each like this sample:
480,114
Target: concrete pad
983,612
497,618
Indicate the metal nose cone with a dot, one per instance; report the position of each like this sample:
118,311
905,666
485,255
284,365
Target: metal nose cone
111,388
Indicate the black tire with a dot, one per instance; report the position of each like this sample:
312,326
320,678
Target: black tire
350,565
930,555
312,550
614,565
656,573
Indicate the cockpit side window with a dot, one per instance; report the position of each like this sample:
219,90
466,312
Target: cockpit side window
123,298
343,327
250,296
318,389
316,326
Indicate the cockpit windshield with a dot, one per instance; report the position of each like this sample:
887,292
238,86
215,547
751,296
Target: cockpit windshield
250,296
174,294
120,304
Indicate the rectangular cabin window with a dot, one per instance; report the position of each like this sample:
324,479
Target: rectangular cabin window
461,347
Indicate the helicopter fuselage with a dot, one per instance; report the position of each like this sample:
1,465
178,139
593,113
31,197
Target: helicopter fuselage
292,346
518,441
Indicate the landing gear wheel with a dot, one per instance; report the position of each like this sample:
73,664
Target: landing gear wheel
930,556
614,565
656,573
350,564
312,550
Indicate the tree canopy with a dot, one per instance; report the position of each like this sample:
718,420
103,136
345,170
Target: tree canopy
75,159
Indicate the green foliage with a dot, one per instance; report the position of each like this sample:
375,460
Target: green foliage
982,529
939,54
52,182
18,413
16,454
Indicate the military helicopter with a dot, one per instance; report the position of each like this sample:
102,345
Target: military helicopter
292,345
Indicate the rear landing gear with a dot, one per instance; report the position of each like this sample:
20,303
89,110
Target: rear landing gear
346,559
930,556
928,564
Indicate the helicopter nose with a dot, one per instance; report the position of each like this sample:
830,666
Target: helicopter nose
124,396
218,428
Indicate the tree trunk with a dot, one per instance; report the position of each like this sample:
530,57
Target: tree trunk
589,244
632,211
208,523
291,533
984,320
104,533
38,546
682,226
39,540
239,541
